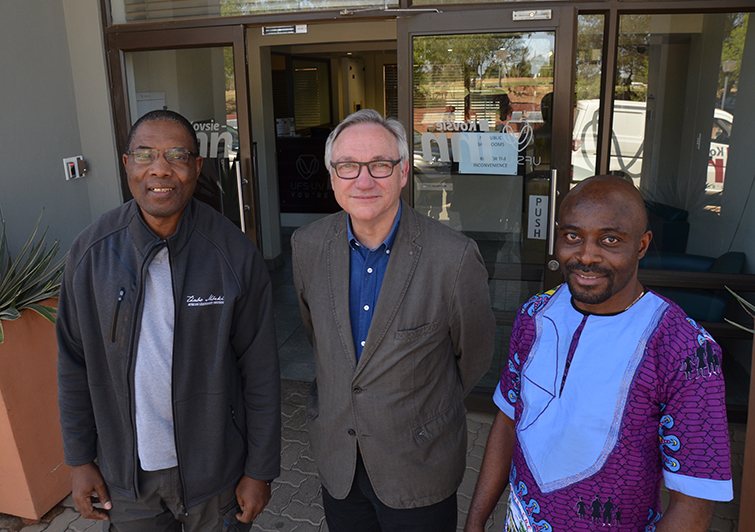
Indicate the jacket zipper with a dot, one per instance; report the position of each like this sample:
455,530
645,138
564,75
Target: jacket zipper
182,507
116,313
236,423
139,306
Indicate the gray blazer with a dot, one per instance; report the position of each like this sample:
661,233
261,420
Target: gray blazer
430,341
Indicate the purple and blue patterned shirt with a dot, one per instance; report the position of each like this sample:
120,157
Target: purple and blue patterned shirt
605,408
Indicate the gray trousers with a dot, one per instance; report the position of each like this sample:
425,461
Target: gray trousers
159,508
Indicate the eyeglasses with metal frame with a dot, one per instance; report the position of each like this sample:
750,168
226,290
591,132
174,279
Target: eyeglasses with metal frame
377,169
150,155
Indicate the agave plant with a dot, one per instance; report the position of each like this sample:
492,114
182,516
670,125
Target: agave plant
29,279
749,308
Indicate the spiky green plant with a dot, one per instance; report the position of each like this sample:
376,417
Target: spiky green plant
29,279
749,308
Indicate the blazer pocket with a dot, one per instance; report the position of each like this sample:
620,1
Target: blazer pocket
436,426
417,332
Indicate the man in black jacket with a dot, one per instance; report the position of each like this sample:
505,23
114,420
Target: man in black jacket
168,378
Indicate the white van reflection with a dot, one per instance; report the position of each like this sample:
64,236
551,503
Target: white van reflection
627,142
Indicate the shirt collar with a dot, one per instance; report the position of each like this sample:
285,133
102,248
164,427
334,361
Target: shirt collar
388,242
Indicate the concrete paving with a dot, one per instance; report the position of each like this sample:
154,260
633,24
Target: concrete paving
296,504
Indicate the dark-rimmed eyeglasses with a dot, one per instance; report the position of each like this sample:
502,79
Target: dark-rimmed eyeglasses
377,169
150,155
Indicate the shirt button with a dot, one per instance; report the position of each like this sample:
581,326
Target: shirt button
366,307
369,270
387,251
362,343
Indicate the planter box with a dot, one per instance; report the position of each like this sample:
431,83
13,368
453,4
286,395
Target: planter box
33,477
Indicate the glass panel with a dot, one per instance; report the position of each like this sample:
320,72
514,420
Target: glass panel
429,2
683,133
390,90
302,108
587,106
482,150
311,89
124,11
199,84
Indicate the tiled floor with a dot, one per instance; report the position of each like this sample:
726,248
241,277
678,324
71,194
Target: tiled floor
294,350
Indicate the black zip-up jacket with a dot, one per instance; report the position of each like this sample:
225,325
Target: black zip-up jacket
226,380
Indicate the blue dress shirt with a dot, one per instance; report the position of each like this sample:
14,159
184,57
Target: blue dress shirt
366,272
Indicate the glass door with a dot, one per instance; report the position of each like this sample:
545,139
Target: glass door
196,83
487,109
195,75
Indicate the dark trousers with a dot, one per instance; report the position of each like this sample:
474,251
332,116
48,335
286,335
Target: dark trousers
362,511
159,508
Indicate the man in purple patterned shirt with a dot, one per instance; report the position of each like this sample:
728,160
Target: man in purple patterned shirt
609,390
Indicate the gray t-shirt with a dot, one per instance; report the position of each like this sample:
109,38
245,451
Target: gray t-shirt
154,364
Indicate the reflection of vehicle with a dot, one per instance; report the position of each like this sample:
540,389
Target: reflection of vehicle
430,177
627,141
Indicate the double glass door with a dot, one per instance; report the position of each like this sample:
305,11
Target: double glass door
194,74
485,116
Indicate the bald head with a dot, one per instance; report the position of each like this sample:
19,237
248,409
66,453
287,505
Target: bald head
614,193
602,235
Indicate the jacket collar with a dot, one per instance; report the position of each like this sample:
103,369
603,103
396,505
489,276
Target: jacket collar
145,239
401,267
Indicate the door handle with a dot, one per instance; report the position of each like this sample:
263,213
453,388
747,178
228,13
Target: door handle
239,186
552,214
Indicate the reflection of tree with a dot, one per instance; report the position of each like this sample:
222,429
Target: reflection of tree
632,59
734,43
589,56
467,58
228,64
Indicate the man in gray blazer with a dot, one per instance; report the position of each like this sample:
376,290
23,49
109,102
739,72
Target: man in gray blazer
397,308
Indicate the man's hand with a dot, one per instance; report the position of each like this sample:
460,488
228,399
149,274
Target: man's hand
252,495
88,487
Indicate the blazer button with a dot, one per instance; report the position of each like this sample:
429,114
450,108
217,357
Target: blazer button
357,389
352,432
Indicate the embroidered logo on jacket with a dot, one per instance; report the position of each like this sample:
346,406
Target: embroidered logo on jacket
196,301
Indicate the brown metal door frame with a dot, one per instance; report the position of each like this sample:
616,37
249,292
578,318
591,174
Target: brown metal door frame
498,20
118,43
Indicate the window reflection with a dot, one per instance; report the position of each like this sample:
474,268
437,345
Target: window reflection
681,133
586,111
198,83
125,11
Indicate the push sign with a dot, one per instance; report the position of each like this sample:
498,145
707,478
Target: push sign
538,217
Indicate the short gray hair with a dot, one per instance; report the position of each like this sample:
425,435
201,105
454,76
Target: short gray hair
369,116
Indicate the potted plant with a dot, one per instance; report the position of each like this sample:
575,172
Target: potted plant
33,477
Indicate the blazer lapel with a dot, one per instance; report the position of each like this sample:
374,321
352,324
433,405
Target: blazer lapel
338,261
401,266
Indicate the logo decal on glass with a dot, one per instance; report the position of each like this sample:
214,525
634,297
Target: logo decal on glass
307,165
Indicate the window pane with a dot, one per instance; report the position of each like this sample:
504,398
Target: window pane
199,84
683,133
428,2
482,119
587,107
124,11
